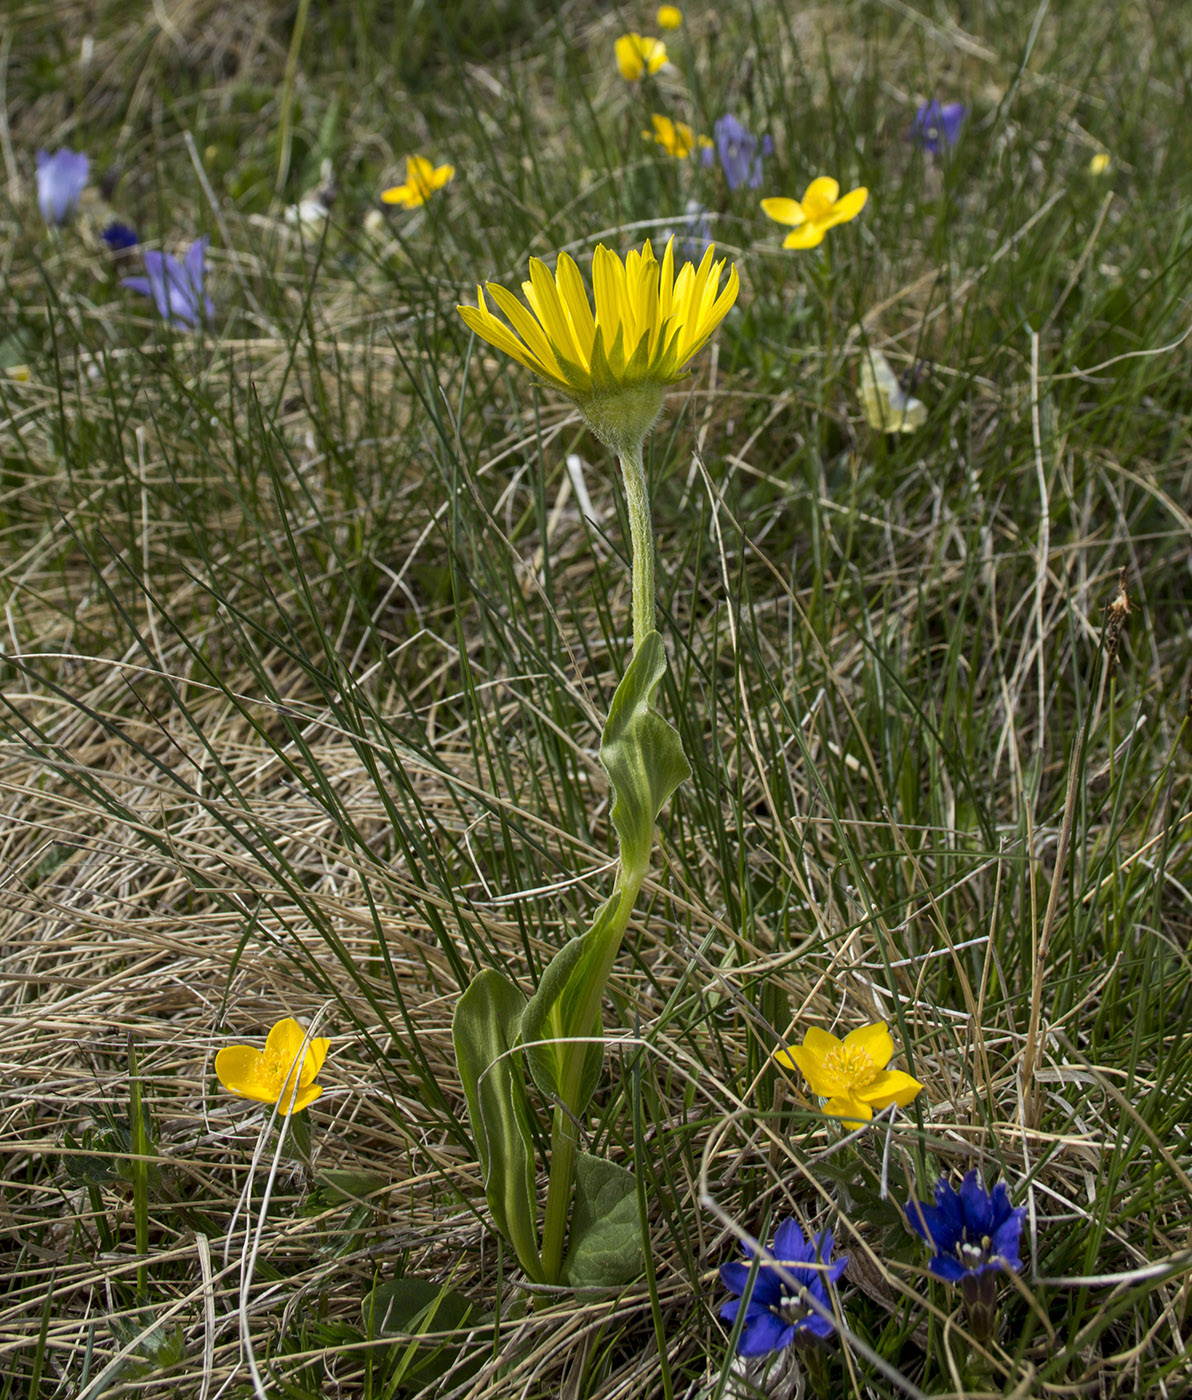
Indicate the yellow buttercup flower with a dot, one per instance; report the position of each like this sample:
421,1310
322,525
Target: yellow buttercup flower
280,1073
422,180
669,17
821,208
637,54
1099,163
675,138
850,1075
615,356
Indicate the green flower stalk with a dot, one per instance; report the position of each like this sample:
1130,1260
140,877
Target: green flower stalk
614,357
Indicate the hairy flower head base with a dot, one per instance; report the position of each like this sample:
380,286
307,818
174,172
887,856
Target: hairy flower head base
614,356
850,1075
282,1073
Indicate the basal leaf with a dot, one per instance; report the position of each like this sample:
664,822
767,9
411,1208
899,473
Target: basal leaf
567,1005
606,1238
485,1029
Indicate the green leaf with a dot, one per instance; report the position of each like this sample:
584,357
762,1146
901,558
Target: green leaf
645,763
347,1184
606,1236
558,1011
642,755
485,1031
412,1307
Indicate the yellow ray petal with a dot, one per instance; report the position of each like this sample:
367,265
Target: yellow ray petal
784,211
891,1086
819,196
876,1041
809,236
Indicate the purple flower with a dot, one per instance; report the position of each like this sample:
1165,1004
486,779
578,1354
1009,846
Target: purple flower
60,181
774,1311
176,287
740,153
937,125
973,1231
119,236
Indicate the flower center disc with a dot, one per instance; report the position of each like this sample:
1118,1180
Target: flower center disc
851,1064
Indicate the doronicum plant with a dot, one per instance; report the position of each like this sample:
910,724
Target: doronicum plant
614,357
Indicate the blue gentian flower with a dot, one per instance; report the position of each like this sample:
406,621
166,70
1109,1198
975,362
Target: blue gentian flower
774,1312
739,151
176,287
937,125
119,236
60,181
974,1233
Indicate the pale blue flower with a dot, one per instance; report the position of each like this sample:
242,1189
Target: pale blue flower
60,181
739,151
176,287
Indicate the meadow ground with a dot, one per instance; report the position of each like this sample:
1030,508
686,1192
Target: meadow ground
310,629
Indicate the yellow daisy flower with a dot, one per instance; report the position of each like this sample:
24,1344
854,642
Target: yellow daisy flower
422,180
280,1073
614,356
850,1075
820,209
675,138
637,55
669,17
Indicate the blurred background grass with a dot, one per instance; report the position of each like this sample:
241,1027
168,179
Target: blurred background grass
307,643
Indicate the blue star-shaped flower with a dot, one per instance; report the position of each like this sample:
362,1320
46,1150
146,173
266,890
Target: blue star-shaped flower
937,125
774,1312
973,1231
176,287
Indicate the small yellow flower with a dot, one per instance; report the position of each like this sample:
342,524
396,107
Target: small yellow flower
669,17
1099,163
422,180
273,1075
675,138
637,54
821,209
851,1074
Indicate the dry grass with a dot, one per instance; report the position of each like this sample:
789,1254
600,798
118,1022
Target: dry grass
306,644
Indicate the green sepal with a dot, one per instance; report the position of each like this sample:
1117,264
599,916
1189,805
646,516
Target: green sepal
485,1032
556,1014
606,1234
642,755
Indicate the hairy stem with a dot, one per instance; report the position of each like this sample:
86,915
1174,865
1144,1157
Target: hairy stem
641,530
